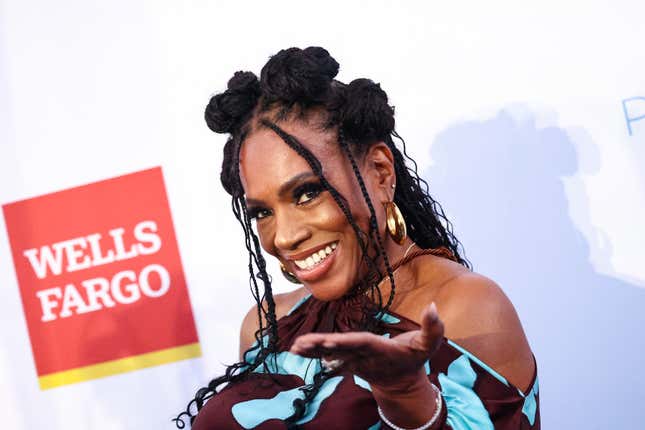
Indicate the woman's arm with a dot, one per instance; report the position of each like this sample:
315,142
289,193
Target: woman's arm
409,406
412,404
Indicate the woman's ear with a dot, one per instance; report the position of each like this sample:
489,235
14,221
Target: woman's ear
379,165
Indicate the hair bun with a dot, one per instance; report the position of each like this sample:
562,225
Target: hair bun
366,115
226,110
326,63
294,75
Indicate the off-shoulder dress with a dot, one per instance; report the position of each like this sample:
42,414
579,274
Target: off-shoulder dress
474,395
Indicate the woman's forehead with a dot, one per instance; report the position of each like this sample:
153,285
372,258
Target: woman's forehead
264,146
266,159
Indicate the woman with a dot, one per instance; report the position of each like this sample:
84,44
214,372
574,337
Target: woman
390,328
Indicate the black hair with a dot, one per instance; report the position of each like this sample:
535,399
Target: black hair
294,84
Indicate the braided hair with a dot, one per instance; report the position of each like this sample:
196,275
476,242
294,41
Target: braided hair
294,84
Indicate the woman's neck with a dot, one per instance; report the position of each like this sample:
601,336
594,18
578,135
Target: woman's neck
404,274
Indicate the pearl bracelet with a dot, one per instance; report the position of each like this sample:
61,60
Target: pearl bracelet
427,425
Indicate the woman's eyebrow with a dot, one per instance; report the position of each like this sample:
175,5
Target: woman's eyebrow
287,186
284,188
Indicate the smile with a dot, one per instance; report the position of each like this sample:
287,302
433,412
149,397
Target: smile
310,268
315,258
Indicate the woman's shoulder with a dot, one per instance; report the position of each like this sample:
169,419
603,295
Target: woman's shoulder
477,315
283,304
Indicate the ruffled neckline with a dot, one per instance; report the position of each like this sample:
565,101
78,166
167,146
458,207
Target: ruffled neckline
311,315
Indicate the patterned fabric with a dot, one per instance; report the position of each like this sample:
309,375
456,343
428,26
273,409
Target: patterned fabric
475,396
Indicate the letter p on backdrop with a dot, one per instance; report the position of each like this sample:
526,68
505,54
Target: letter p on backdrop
101,280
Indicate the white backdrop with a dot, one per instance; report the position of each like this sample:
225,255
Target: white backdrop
528,120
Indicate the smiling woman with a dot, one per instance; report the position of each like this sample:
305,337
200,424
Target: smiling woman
390,327
299,220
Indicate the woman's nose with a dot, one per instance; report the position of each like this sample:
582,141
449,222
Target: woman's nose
290,232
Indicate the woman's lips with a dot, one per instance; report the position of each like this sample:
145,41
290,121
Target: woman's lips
317,271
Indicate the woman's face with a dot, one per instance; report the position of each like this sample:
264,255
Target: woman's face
297,220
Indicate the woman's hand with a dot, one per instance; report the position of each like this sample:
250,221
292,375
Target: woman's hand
392,365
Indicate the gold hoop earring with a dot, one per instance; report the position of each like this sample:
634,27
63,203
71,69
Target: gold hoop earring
395,223
288,275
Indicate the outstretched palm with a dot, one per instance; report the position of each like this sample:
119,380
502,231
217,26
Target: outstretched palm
381,361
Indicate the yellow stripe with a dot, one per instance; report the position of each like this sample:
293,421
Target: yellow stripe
119,366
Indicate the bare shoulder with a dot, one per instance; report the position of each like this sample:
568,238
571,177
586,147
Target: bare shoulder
479,316
250,324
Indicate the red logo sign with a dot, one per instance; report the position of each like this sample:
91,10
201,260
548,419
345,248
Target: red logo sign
100,279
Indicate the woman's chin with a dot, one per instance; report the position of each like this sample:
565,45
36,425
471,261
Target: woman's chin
326,293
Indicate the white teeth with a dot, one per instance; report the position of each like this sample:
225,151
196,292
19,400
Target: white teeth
316,257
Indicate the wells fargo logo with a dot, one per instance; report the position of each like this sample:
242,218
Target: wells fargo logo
100,279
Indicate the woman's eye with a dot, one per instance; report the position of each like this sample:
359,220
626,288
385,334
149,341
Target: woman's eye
306,196
259,213
307,192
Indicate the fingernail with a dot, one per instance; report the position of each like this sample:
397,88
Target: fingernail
433,310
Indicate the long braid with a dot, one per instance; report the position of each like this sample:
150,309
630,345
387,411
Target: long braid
428,225
239,208
373,226
256,256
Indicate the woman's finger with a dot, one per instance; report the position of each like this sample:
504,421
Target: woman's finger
317,344
431,328
339,340
331,353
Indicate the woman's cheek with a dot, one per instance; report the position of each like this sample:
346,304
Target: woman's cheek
265,234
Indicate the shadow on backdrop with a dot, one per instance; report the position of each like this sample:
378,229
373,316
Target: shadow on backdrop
501,184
